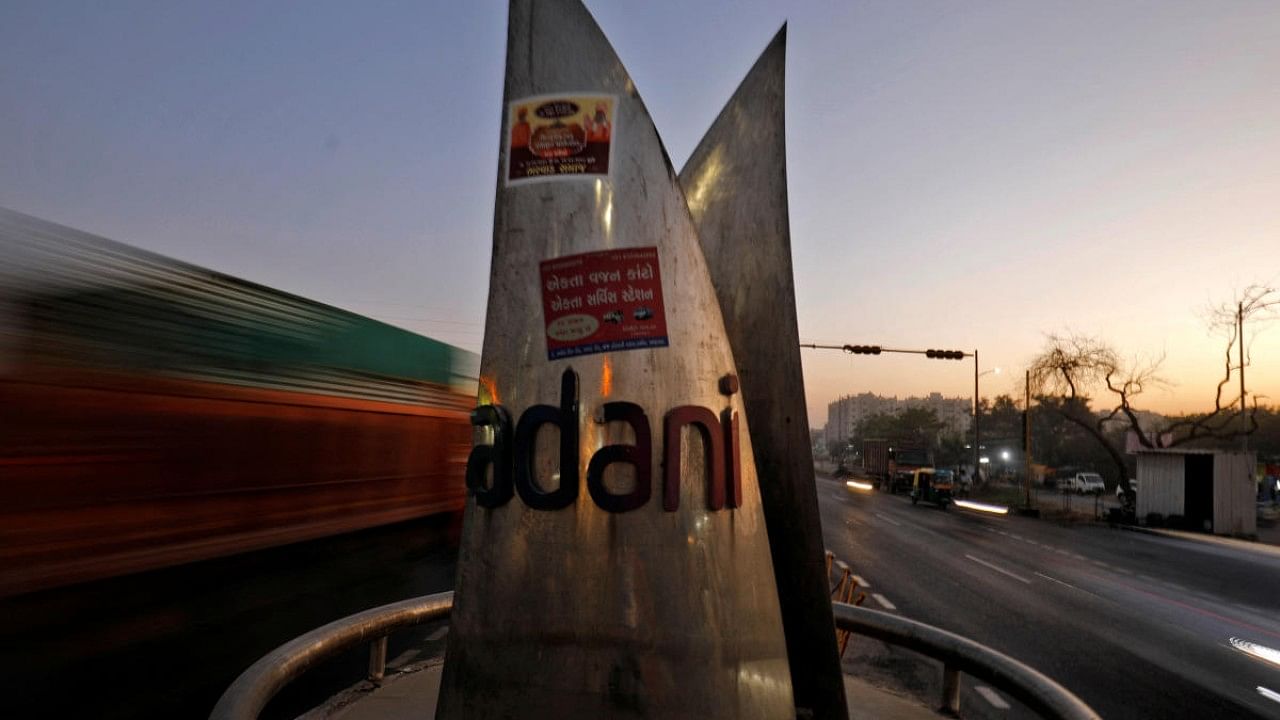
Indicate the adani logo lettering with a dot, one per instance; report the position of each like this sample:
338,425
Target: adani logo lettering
511,455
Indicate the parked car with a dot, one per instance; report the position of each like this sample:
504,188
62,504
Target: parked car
1084,483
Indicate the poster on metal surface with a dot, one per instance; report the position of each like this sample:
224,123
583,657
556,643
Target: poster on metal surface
603,302
560,136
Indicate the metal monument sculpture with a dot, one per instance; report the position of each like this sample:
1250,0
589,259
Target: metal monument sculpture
614,558
736,186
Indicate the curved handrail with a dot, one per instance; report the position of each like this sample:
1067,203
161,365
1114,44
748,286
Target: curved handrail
1036,690
255,687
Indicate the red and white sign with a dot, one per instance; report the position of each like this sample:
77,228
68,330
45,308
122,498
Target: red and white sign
603,302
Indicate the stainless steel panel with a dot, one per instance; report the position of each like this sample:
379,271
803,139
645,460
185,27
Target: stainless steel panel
580,612
736,186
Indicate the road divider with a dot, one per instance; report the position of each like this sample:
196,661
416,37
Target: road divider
846,591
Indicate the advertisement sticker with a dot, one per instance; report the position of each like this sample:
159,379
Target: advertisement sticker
603,302
560,136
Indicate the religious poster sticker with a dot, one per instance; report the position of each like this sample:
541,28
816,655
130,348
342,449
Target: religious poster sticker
560,136
603,302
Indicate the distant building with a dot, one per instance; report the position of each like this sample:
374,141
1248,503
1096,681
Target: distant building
844,414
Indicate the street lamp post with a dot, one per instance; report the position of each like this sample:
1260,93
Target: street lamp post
977,415
977,423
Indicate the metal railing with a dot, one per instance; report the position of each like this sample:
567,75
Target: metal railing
255,687
959,654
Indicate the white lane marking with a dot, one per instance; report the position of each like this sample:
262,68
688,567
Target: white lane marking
1029,541
1015,536
1064,553
884,601
990,696
1269,694
1176,586
1126,571
1062,582
861,583
999,569
1148,578
439,633
1079,557
888,519
1099,563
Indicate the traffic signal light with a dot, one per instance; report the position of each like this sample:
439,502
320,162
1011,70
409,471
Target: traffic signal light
944,354
862,349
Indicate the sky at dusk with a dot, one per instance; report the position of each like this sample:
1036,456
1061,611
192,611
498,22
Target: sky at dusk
962,175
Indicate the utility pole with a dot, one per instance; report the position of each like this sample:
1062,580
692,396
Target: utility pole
1026,439
1244,417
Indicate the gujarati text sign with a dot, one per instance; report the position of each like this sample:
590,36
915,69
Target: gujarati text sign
602,302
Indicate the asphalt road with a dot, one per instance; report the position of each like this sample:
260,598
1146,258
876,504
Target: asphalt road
1138,626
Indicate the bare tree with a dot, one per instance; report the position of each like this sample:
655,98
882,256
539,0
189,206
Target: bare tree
1071,368
1257,304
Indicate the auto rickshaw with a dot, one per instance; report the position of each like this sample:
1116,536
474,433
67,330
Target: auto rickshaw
932,486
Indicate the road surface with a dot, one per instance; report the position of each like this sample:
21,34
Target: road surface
1139,626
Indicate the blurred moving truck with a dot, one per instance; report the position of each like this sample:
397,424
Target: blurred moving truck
893,463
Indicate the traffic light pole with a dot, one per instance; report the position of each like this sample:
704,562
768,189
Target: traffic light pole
933,355
876,350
